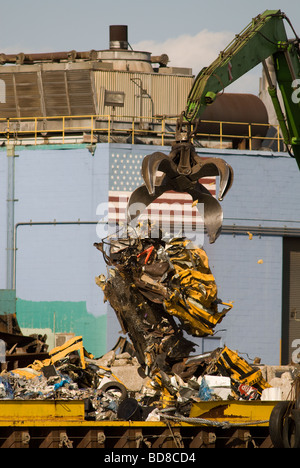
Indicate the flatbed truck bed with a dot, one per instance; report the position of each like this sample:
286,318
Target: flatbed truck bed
62,424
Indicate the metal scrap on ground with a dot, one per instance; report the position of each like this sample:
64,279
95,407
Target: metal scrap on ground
117,387
161,290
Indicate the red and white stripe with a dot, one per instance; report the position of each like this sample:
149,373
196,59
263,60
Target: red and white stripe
171,207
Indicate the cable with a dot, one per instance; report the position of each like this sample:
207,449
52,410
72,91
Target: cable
211,422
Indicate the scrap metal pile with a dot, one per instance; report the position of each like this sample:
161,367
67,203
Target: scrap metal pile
160,290
117,387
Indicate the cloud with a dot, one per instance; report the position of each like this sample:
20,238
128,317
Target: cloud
189,51
200,51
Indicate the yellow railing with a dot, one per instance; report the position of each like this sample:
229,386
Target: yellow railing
162,128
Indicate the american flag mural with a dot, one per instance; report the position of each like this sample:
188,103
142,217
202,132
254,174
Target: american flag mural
172,208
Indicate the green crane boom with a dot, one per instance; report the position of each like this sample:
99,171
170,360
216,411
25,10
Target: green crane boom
264,37
182,169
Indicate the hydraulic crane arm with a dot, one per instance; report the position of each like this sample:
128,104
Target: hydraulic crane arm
264,37
183,168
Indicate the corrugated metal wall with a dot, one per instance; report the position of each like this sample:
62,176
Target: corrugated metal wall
22,95
46,93
124,82
68,92
40,91
171,91
163,94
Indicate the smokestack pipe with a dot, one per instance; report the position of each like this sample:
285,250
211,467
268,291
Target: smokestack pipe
118,38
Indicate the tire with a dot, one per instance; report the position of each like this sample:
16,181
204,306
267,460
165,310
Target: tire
291,430
276,423
115,386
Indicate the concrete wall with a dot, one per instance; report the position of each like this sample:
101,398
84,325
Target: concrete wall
248,271
266,192
56,264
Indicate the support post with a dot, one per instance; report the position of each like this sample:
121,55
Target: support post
10,215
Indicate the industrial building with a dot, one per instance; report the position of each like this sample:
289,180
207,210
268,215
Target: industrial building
74,129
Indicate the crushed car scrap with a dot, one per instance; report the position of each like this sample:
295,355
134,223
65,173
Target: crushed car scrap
153,281
161,291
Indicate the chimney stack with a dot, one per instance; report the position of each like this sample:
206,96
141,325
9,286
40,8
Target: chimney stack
118,37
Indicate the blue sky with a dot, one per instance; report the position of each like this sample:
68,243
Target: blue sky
191,32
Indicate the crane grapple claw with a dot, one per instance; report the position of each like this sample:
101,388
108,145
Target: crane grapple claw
180,171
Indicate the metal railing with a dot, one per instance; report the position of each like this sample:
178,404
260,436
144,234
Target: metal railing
162,128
